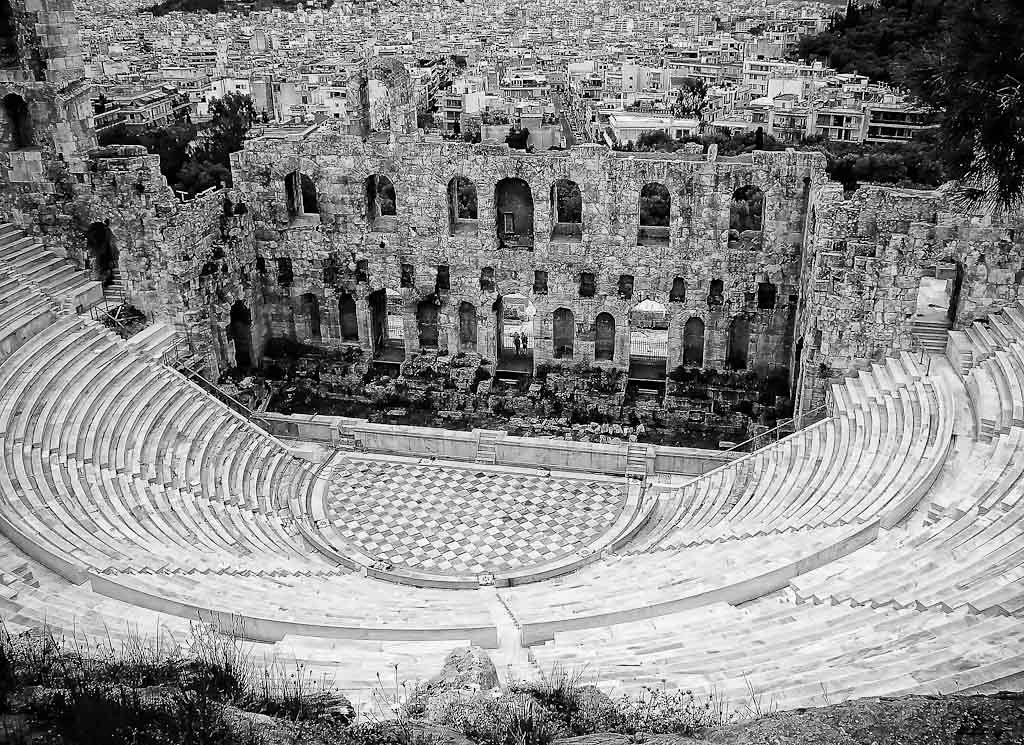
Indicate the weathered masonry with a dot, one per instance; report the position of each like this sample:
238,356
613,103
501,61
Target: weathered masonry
399,243
404,244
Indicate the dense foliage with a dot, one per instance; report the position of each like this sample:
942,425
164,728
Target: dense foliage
193,160
962,58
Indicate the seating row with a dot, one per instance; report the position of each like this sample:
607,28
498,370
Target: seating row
872,459
55,276
788,655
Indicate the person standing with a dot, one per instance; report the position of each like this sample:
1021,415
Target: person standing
516,341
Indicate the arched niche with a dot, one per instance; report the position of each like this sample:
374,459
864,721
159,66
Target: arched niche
563,333
655,207
566,211
513,207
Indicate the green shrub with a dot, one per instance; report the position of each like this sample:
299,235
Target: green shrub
660,712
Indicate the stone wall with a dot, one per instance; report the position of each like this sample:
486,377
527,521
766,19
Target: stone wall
866,254
42,71
698,247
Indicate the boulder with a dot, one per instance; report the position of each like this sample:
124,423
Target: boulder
465,669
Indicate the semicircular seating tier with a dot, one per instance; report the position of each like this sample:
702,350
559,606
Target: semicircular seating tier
875,551
934,605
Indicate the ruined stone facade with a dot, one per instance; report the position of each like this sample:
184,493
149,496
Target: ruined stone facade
609,265
45,108
338,235
865,256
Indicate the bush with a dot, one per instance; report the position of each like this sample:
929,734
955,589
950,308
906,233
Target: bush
659,712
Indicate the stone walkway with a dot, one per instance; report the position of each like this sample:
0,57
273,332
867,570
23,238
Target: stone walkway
447,519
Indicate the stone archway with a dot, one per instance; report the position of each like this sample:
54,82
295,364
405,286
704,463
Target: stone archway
693,343
426,323
513,208
17,122
563,333
604,337
103,256
467,327
739,344
240,332
348,318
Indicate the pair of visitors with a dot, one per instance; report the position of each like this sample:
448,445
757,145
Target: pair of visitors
519,342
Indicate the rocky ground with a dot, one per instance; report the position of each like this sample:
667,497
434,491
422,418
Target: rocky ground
464,704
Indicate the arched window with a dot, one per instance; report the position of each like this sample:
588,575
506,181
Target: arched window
18,122
588,284
310,305
563,333
462,208
747,208
349,321
739,344
716,292
467,327
301,195
443,281
604,337
426,323
566,211
387,324
381,203
513,207
655,207
487,279
240,332
8,36
285,275
678,292
626,286
693,343
766,294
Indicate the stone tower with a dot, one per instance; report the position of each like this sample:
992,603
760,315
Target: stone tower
45,106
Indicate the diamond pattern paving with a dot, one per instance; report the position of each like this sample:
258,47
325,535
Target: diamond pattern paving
451,520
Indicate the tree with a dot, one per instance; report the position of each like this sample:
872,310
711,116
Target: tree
655,139
231,117
691,98
198,175
961,58
518,138
171,143
975,79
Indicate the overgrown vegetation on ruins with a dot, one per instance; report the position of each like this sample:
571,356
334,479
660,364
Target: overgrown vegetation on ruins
916,164
193,159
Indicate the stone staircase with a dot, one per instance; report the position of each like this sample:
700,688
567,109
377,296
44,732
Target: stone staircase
46,271
636,460
485,446
114,290
932,335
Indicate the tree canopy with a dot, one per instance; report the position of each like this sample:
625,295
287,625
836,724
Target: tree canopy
190,160
960,57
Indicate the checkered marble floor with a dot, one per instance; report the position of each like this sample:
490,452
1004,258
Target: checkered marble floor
453,520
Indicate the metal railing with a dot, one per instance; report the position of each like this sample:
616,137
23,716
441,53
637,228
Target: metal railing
178,353
783,428
224,397
105,313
